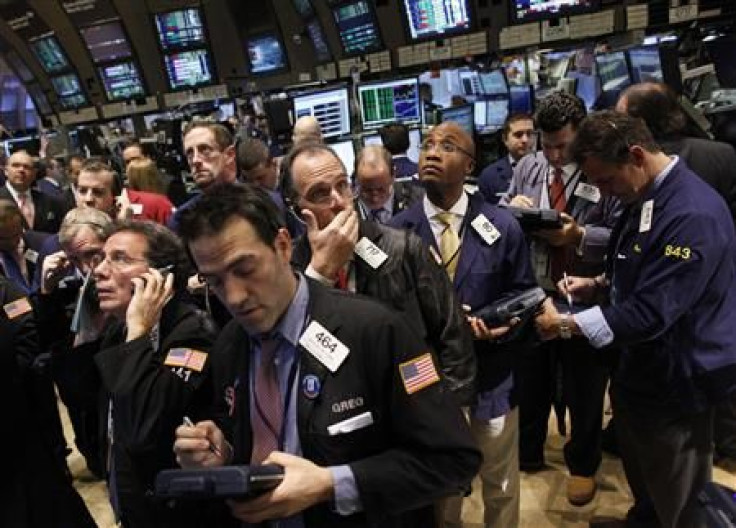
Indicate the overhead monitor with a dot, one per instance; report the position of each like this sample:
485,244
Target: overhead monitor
122,81
522,99
345,150
188,68
19,67
330,107
39,99
317,37
436,18
645,64
415,139
106,42
490,115
470,82
462,115
266,54
358,27
494,82
50,55
304,8
69,91
613,71
528,10
389,101
180,29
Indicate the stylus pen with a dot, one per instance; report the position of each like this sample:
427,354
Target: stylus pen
568,295
212,447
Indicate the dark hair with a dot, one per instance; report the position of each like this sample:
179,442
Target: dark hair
97,165
558,110
657,105
395,138
213,210
164,248
513,118
223,137
609,135
252,152
8,210
310,148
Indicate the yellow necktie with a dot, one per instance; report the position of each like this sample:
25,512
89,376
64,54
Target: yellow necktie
449,244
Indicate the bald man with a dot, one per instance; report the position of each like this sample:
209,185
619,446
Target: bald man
483,250
306,128
381,196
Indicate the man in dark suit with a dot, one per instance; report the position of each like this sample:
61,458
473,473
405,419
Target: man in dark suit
380,195
367,434
18,248
485,254
41,212
519,137
395,139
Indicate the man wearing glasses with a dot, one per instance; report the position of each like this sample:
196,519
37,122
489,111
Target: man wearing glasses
146,367
344,251
484,253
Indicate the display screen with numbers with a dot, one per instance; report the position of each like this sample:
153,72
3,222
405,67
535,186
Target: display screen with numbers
528,10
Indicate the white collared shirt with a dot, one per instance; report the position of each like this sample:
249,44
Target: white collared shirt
458,210
569,172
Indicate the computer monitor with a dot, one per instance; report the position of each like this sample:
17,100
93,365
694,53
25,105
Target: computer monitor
494,82
69,91
345,150
528,10
50,55
587,89
39,99
122,81
106,42
389,101
490,115
19,67
357,26
436,18
330,107
645,64
304,8
188,69
317,37
521,99
266,54
613,71
470,83
415,139
462,115
180,29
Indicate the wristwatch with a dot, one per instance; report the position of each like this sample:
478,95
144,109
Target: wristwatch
565,329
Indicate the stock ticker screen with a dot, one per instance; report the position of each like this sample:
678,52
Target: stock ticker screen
386,102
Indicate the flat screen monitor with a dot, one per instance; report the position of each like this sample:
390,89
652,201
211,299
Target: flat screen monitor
490,115
494,82
49,54
528,10
69,90
106,42
436,18
645,64
122,81
613,71
722,52
415,139
20,68
330,107
470,82
388,102
317,37
587,89
345,150
522,99
462,115
266,54
180,29
304,8
188,68
39,99
358,27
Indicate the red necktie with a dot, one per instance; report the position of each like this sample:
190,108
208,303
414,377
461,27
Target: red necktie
559,256
557,198
342,280
268,417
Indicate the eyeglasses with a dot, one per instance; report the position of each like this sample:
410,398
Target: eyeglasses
322,195
447,147
117,260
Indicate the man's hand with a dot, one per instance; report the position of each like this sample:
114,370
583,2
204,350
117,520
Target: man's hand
55,266
547,322
570,234
304,485
481,331
201,446
521,201
582,289
332,246
150,294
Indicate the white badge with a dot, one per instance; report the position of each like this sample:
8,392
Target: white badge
588,192
31,256
645,221
370,252
136,209
328,349
351,424
485,229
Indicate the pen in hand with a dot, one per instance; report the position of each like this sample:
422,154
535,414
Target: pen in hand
568,296
188,422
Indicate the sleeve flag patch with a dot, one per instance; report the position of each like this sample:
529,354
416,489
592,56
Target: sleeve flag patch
418,373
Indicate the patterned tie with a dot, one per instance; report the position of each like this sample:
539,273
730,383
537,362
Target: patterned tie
449,244
560,257
25,208
557,198
268,405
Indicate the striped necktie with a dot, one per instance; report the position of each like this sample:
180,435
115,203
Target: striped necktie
269,408
449,244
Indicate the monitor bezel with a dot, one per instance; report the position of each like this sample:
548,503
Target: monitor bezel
564,12
140,77
343,88
67,68
99,23
468,106
321,26
176,49
472,16
213,71
59,97
277,35
386,81
598,74
381,42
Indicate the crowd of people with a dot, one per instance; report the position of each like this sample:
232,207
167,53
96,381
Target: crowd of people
226,330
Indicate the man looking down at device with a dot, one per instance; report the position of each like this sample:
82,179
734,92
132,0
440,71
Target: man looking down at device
333,387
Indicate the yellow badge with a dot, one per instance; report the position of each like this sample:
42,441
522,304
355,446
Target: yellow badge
187,358
418,373
17,308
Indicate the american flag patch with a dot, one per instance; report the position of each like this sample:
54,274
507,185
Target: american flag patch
17,308
187,358
418,373
196,360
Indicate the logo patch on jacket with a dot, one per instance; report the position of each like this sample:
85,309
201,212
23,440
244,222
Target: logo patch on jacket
418,373
187,358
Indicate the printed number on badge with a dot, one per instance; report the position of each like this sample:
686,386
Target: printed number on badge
326,341
182,373
677,252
